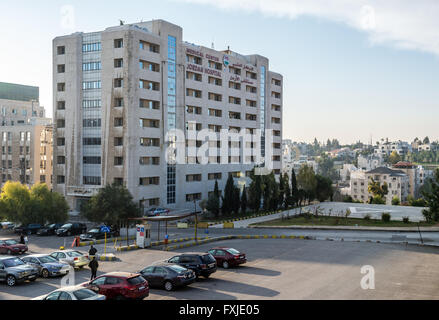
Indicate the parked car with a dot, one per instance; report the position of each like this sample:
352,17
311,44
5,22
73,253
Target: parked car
228,257
168,276
31,228
96,234
47,265
49,230
13,270
157,212
203,264
7,225
120,286
74,258
71,229
72,293
11,246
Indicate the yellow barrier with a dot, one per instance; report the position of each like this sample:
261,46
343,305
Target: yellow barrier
203,225
229,225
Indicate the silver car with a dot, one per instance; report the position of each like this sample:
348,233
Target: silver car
72,293
47,265
13,270
75,258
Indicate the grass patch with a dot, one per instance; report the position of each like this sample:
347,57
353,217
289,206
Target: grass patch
338,221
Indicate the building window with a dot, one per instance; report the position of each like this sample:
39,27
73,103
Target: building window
149,104
91,160
147,161
118,122
118,181
91,47
193,177
149,85
61,105
61,87
91,85
118,43
61,50
118,63
91,66
147,65
215,176
91,123
61,123
118,83
150,142
60,179
91,104
118,102
90,141
93,181
149,123
60,142
149,181
61,160
61,68
118,161
193,197
118,141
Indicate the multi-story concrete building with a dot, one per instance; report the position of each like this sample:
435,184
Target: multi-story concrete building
117,93
26,136
397,182
417,175
386,148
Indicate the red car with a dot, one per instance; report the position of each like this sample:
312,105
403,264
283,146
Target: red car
11,246
120,286
228,257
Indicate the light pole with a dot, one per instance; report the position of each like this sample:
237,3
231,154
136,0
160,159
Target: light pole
196,218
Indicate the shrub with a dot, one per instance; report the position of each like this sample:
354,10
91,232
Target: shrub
395,201
385,217
405,219
367,217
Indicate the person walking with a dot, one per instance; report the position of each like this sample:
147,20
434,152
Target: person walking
22,238
92,251
94,265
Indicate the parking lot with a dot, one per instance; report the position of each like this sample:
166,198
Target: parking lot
279,269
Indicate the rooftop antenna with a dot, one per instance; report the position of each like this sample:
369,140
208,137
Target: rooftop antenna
122,22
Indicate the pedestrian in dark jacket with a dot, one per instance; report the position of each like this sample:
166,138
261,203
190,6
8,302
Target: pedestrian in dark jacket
94,267
92,251
22,238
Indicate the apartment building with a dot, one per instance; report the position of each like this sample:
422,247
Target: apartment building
386,148
118,94
25,135
417,175
397,181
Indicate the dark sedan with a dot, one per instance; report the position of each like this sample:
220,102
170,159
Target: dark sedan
168,276
228,257
203,264
31,228
49,230
96,234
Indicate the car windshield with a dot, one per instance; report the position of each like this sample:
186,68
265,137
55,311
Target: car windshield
136,280
14,262
94,231
208,258
11,242
47,259
68,225
233,251
50,226
74,254
82,294
177,268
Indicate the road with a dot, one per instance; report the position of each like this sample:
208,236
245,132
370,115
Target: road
287,269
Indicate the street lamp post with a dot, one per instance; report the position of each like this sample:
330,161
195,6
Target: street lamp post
196,219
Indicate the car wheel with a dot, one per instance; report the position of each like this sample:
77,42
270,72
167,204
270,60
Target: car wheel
11,281
45,273
169,286
225,265
206,276
33,279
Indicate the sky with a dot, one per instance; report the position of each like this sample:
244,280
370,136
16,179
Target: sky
353,70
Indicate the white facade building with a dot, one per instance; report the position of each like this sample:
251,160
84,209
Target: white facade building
119,92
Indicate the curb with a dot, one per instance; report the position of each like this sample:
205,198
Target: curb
89,243
240,219
384,229
108,258
159,243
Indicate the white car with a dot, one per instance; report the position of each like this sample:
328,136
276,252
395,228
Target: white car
72,293
75,258
8,225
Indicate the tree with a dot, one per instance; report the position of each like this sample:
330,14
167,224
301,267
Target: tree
394,158
294,189
50,205
377,199
288,199
324,190
326,166
426,140
255,191
229,196
395,201
213,202
306,180
244,201
282,183
236,203
376,189
432,199
112,205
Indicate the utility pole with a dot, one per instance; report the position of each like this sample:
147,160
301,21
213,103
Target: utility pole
196,219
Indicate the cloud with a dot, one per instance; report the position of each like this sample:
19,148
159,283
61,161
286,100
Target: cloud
405,24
